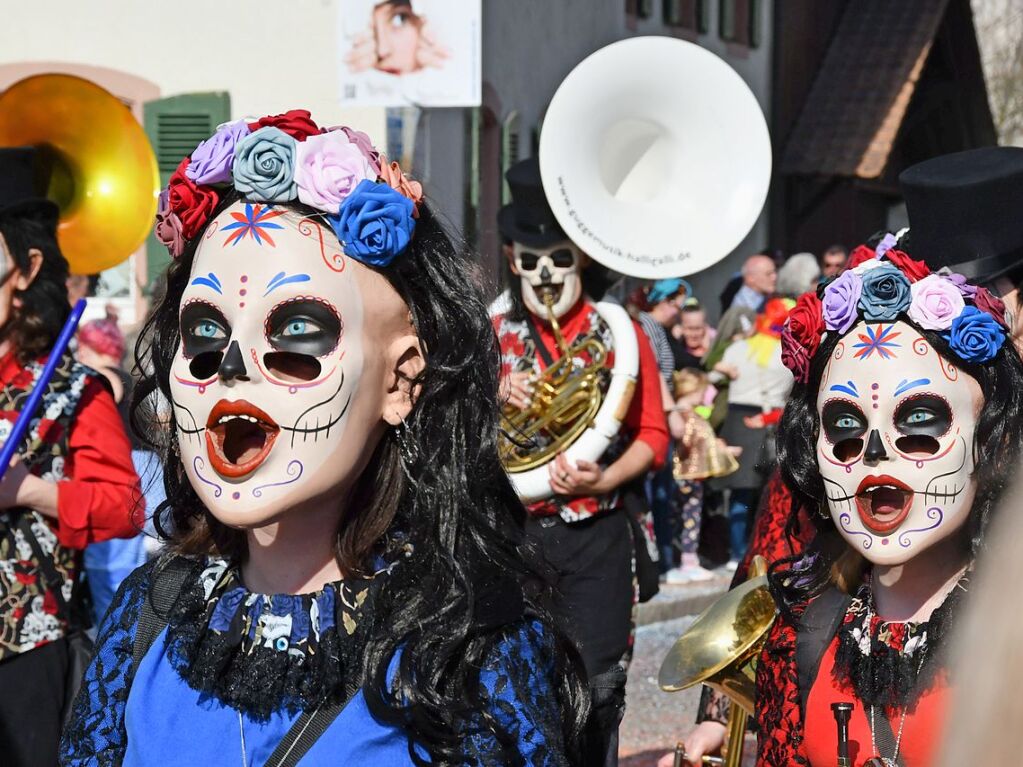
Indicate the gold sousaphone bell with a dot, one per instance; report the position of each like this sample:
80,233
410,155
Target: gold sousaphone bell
720,649
95,163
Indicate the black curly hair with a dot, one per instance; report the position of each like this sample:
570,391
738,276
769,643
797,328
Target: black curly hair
35,325
473,574
996,448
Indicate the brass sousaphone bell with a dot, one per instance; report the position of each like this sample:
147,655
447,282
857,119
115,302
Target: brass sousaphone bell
720,649
96,164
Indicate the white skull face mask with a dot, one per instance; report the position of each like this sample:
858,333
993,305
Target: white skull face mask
553,270
895,447
276,397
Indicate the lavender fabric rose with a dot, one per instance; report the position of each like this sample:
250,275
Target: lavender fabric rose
213,158
329,167
168,226
885,294
375,223
888,242
968,290
975,336
264,166
841,301
935,302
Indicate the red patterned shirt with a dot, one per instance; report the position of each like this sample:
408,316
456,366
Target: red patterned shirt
644,420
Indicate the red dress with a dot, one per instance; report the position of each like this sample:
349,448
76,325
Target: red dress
921,732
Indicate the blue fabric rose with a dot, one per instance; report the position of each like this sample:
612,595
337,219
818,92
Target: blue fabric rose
264,166
975,336
885,294
375,223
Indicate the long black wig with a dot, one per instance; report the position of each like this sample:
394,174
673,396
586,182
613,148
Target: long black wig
473,574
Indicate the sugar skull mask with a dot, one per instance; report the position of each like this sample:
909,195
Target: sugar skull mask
896,441
280,383
553,271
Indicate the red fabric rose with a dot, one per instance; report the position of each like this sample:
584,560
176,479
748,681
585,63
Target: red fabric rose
988,302
297,123
859,255
191,203
806,322
794,356
914,270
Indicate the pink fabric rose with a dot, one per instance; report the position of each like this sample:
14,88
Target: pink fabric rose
329,167
213,158
168,227
935,302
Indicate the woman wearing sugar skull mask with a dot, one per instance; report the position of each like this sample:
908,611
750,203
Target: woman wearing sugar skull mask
902,432
349,539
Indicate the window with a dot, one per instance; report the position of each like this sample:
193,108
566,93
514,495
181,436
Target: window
175,126
740,22
686,14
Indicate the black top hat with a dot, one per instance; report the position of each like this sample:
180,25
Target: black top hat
18,195
965,211
528,219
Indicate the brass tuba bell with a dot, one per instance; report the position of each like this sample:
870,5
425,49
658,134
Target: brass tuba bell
720,649
96,164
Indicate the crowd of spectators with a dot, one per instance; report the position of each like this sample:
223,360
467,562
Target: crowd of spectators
724,390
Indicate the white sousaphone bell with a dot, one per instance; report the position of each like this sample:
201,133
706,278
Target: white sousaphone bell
656,160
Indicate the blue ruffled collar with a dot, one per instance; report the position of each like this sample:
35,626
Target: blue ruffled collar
260,653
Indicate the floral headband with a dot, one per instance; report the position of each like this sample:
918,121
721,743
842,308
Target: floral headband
370,204
880,284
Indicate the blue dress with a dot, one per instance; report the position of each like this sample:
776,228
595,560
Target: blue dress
153,715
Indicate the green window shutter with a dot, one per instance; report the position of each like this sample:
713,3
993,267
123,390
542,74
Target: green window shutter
510,136
175,125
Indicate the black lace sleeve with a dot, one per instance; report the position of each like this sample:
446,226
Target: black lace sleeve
714,706
519,686
95,734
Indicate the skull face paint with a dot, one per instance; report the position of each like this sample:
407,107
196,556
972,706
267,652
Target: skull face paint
553,271
895,447
277,401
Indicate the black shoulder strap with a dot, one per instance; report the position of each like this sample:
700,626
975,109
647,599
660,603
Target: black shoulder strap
817,628
168,578
306,730
541,347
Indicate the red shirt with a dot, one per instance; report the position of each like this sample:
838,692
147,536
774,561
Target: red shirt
921,732
644,420
102,496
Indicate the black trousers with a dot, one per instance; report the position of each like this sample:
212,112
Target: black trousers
593,601
31,705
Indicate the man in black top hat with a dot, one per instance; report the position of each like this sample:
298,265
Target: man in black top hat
583,529
73,482
965,214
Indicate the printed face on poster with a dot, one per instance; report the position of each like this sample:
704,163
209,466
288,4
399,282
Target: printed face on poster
409,52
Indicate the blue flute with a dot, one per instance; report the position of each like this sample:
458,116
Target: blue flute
11,445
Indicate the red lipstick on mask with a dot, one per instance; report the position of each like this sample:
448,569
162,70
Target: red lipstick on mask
239,437
883,503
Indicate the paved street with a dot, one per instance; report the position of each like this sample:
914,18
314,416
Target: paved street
654,720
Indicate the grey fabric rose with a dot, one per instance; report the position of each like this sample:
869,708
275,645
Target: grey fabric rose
264,166
885,294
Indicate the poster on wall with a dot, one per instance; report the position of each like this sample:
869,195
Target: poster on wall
423,53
